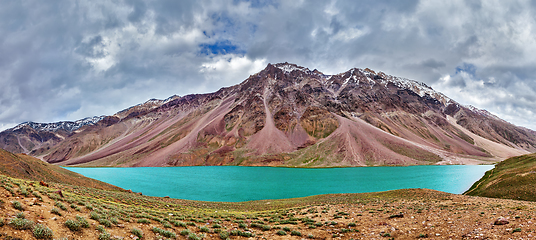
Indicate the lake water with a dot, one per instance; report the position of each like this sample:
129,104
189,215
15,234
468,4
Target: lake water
236,184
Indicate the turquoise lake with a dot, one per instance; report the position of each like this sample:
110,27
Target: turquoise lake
236,184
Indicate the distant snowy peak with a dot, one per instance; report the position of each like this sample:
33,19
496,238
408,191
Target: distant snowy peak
289,68
67,125
146,106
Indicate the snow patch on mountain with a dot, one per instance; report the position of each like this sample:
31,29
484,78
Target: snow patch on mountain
482,112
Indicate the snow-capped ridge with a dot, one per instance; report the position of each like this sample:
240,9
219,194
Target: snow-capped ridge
418,88
64,125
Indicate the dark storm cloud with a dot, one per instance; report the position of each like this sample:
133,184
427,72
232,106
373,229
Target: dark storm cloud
65,60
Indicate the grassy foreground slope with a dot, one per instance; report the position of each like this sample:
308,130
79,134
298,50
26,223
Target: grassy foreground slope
29,210
27,167
513,178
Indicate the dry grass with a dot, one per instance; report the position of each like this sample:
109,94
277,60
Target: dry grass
401,214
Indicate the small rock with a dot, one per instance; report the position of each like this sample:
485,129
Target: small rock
59,192
44,184
501,221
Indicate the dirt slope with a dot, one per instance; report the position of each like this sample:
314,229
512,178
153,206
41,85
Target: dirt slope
27,167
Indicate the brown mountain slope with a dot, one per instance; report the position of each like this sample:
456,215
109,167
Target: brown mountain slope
292,116
27,167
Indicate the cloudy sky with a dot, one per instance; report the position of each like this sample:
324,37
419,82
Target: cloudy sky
66,60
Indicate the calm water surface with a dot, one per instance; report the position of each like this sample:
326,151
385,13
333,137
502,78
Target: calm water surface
235,184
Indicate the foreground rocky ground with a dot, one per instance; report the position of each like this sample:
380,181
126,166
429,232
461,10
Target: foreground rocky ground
29,210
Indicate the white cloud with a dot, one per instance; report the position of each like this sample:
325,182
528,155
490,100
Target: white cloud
226,69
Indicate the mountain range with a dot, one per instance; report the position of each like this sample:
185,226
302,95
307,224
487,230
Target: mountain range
284,115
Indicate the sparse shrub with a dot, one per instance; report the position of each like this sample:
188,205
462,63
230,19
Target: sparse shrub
193,236
105,236
143,220
311,236
167,225
137,232
295,233
204,229
37,195
178,224
55,211
83,222
242,225
101,228
24,192
246,234
224,235
72,225
281,233
21,223
20,215
17,205
185,232
60,205
286,229
94,215
42,232
1,222
216,225
164,233
351,224
516,230
105,222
